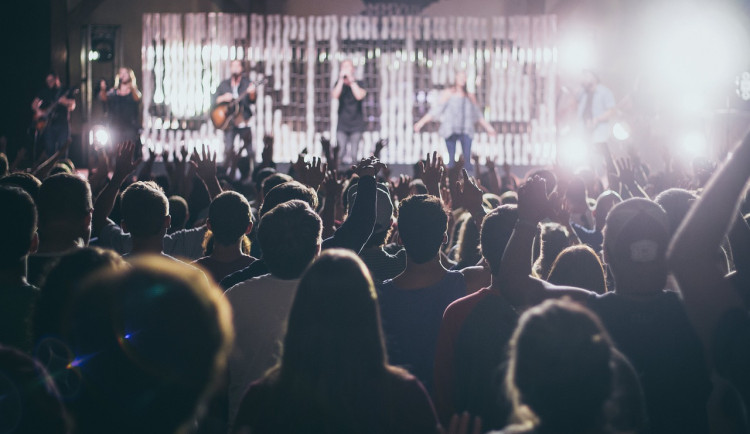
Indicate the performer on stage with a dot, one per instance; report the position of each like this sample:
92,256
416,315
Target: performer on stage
351,123
122,104
52,106
457,112
237,86
596,106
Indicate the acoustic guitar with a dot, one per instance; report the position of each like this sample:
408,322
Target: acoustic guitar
42,117
227,114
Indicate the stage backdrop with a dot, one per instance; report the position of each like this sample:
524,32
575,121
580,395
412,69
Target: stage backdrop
402,61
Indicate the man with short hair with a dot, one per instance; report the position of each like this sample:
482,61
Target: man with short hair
145,215
412,303
64,206
289,235
18,238
229,220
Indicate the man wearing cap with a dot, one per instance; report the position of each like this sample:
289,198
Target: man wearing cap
649,324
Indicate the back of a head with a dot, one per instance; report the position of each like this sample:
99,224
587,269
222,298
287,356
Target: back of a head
65,199
334,326
25,181
636,237
18,220
468,252
560,373
260,175
289,191
65,277
150,343
550,179
579,266
604,204
144,207
554,239
289,236
272,181
229,216
676,202
30,403
4,167
422,226
497,228
178,209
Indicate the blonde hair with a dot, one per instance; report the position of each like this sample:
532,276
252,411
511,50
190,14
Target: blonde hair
133,83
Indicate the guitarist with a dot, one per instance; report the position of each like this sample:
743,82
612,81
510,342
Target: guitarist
237,86
53,103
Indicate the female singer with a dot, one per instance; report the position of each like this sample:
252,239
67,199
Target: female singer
123,106
457,113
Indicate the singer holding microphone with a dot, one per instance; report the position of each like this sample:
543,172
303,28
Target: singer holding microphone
351,123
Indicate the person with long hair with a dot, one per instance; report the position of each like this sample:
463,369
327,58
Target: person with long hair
458,112
579,266
334,376
122,106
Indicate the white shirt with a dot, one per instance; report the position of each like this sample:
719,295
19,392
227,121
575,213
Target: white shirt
260,308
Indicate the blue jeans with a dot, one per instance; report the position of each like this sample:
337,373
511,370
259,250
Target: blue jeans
450,143
54,136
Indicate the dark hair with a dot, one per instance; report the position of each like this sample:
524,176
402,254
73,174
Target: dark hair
579,266
497,228
31,403
676,202
333,351
17,225
422,223
289,236
26,181
272,181
180,212
550,179
143,206
161,334
229,215
554,239
63,197
559,373
289,191
4,167
468,252
259,175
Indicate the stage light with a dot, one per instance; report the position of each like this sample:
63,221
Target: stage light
621,131
93,55
577,53
693,145
743,86
99,136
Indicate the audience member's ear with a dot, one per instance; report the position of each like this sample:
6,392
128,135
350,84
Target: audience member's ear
248,230
167,222
34,244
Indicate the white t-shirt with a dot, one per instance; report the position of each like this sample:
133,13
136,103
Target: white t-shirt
260,309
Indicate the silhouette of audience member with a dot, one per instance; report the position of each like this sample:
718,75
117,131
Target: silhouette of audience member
563,372
412,303
30,403
178,209
593,237
18,224
229,220
289,236
648,324
381,264
150,343
334,375
554,239
579,266
25,181
64,206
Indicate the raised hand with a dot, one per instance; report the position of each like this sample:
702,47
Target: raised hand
204,163
314,173
379,145
267,154
625,171
431,171
468,193
368,167
402,187
124,162
332,185
299,167
325,145
533,204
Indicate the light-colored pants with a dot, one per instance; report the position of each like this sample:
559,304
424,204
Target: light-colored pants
348,146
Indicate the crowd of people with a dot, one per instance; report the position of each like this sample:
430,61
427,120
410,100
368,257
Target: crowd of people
235,298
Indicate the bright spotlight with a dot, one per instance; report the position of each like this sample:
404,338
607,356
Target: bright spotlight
621,131
99,136
577,53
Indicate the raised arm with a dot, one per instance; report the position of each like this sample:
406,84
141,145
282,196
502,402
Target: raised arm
205,166
124,166
692,253
431,172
